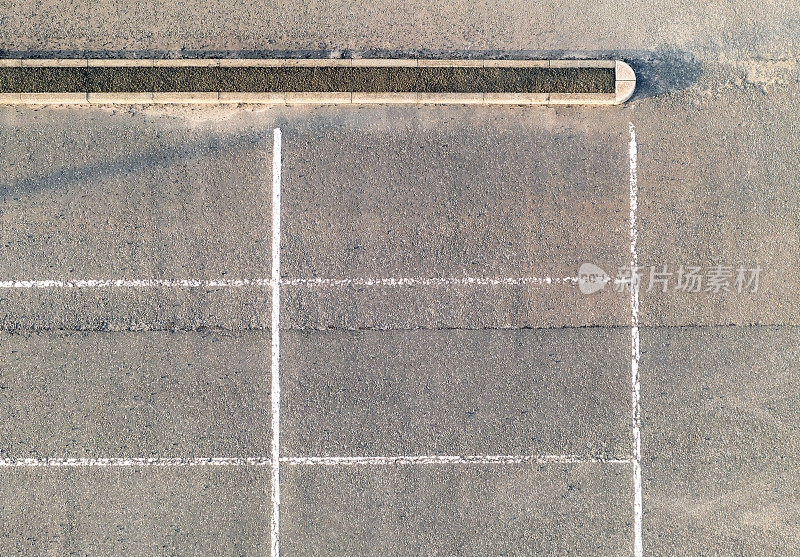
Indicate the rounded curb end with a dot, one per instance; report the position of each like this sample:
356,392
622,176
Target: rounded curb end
625,82
623,72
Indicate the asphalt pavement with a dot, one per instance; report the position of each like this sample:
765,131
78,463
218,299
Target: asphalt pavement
430,322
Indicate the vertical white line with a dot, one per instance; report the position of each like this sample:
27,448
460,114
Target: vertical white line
276,341
635,352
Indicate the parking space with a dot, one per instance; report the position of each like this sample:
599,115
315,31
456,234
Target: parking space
720,190
441,198
138,510
125,394
104,198
473,510
458,392
720,435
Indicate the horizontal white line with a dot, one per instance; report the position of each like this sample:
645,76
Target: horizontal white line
135,283
448,459
243,283
443,281
123,462
404,460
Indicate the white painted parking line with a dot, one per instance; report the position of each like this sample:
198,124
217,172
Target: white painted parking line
261,282
400,460
133,283
435,281
408,460
635,350
275,393
130,462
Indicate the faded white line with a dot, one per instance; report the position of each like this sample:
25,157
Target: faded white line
433,281
135,283
131,462
260,282
275,394
635,351
401,460
447,459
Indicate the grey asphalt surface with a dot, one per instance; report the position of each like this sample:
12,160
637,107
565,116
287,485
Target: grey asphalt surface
177,192
95,395
476,392
720,432
136,511
475,510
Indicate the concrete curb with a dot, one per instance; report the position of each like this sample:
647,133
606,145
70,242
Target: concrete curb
385,98
120,98
582,63
196,63
625,83
516,63
54,63
319,98
517,98
450,63
450,98
120,63
255,98
184,97
384,63
582,98
53,98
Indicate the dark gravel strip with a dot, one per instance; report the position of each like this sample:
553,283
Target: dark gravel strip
324,79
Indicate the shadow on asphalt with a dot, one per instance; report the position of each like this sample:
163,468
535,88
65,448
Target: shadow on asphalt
129,163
